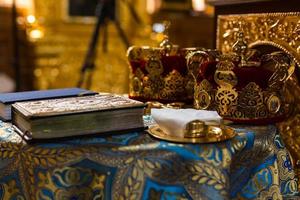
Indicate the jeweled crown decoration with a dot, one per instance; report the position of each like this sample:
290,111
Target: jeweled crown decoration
160,73
243,86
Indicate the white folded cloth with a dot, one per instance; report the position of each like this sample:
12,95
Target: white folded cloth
173,121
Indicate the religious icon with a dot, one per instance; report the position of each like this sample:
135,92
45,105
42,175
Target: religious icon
273,104
204,99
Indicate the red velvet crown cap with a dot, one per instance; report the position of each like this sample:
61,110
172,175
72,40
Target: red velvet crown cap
245,74
170,62
255,74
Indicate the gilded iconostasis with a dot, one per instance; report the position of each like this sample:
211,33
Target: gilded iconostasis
54,37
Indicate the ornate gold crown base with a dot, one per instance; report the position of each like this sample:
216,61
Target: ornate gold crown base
250,105
171,88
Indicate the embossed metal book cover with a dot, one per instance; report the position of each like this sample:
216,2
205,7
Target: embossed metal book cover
7,99
64,106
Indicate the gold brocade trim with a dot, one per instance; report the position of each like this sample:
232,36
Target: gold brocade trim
290,133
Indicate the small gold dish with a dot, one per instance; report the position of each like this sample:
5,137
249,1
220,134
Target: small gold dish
196,132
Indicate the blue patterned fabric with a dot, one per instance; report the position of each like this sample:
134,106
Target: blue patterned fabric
253,165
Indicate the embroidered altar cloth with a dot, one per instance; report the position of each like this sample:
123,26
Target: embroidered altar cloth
253,165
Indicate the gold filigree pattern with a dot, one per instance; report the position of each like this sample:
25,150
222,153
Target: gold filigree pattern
36,156
251,100
226,95
277,29
69,178
205,85
154,79
226,98
11,190
153,76
273,193
224,76
283,69
203,90
174,85
130,166
203,95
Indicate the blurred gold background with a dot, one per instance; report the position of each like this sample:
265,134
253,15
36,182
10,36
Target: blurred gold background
54,46
61,51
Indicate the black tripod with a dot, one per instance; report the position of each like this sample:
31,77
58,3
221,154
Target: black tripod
16,49
105,11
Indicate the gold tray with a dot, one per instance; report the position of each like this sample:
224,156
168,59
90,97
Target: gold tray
214,134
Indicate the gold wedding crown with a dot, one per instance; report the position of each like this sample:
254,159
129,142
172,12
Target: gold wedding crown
242,86
160,73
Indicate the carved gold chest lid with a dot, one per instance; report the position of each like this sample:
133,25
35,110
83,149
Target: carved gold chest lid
277,30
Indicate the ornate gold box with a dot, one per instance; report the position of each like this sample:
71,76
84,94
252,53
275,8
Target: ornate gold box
268,26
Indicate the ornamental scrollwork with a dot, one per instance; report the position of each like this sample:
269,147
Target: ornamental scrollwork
281,30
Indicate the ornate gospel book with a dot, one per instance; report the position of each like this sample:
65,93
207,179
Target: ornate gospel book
65,117
7,99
